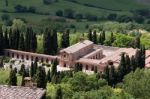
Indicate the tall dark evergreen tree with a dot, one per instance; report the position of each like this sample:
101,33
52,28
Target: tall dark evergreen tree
21,43
54,67
16,36
33,44
101,39
90,35
49,76
48,42
94,37
1,41
128,64
111,38
59,94
65,40
24,74
103,36
32,71
132,63
55,41
12,78
142,49
112,76
6,40
122,67
22,69
138,58
41,78
137,42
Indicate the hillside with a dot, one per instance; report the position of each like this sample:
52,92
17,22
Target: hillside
85,7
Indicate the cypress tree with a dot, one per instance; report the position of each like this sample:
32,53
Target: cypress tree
128,64
35,65
101,39
41,78
137,42
12,78
132,63
21,43
48,42
55,41
24,74
138,59
94,37
90,35
142,56
122,67
59,94
16,36
1,41
111,38
106,73
33,41
67,37
103,36
32,71
6,40
49,76
112,76
54,67
22,69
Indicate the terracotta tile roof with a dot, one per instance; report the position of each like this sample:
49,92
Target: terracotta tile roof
92,53
115,57
18,92
89,61
76,47
30,53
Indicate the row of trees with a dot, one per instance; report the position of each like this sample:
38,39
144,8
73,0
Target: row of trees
127,64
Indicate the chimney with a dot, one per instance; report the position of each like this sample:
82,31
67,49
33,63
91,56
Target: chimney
28,82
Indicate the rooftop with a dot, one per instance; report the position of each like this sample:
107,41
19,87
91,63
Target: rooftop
19,92
76,47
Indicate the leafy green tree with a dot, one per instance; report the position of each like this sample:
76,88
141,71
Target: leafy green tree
78,67
140,79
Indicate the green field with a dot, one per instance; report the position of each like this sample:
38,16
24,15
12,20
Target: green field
101,8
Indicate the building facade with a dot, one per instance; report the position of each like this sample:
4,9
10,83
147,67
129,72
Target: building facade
84,52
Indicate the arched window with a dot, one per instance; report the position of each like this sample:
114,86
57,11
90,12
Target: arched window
12,54
17,55
42,60
65,65
22,56
92,68
87,67
47,60
27,57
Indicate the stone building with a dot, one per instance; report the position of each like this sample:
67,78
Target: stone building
84,52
